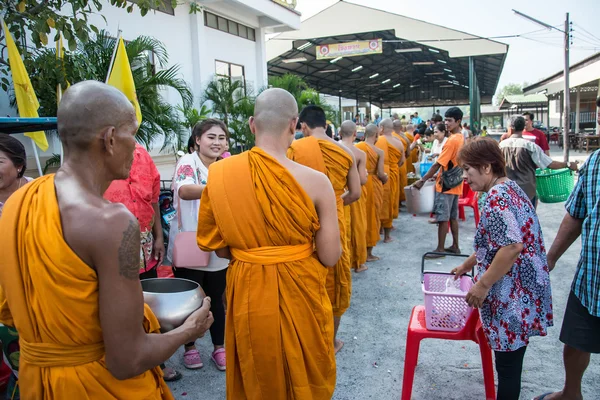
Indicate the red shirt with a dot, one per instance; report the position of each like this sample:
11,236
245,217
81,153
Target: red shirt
140,190
540,138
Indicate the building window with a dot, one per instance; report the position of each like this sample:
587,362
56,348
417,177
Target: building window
230,71
166,7
225,25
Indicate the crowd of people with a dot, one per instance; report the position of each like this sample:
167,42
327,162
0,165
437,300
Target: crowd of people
279,229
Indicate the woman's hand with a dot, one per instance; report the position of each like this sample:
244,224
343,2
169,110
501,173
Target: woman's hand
460,271
477,295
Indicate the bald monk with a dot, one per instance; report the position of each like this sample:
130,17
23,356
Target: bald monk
392,149
403,170
70,263
358,209
264,212
317,151
376,178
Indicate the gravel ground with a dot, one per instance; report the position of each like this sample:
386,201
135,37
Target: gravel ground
371,363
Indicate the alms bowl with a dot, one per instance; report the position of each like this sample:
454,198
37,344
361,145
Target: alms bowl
172,300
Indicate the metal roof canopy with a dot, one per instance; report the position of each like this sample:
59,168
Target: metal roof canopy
534,100
21,125
585,72
420,85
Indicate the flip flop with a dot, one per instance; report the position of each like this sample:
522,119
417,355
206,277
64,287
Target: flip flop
173,378
542,397
451,250
434,256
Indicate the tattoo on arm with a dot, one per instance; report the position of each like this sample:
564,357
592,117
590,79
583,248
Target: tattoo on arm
129,252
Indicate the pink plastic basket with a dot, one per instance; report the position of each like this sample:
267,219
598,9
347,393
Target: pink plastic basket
445,311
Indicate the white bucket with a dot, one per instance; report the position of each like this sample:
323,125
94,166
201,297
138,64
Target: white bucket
420,201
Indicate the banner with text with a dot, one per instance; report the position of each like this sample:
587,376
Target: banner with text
349,49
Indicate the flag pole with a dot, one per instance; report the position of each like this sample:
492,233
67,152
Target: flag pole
59,89
114,54
37,157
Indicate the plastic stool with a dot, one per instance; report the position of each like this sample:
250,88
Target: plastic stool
468,199
471,331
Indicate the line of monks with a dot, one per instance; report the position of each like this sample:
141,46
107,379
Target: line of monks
294,217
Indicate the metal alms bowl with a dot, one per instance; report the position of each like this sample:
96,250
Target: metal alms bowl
172,300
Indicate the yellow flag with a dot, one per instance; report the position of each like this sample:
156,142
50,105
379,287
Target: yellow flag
27,102
60,54
122,78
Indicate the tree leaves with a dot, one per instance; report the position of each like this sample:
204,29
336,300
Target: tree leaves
21,7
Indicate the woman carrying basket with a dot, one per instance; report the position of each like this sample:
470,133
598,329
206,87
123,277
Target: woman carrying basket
512,288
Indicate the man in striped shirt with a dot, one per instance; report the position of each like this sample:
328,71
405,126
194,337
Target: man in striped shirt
581,325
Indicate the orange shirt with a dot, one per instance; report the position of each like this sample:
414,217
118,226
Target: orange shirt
450,155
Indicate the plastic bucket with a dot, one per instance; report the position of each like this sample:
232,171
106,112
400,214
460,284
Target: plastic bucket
424,168
420,201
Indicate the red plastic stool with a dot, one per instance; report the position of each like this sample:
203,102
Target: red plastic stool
471,331
468,199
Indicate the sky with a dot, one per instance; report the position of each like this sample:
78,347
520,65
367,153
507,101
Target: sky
528,60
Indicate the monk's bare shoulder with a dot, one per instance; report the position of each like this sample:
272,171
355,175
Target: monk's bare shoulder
395,142
311,180
360,155
346,149
377,150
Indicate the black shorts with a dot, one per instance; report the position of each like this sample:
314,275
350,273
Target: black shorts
580,329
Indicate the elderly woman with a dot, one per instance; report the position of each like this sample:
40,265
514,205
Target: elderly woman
512,288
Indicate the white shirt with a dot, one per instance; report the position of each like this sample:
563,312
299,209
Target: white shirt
190,170
437,147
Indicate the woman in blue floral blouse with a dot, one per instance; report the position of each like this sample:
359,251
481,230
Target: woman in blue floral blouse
512,288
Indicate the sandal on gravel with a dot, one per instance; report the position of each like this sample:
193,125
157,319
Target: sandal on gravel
192,360
218,357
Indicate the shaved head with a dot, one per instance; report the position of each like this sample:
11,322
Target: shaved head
274,110
371,130
87,108
398,125
347,129
387,124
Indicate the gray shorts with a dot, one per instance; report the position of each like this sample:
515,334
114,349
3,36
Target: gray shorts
445,207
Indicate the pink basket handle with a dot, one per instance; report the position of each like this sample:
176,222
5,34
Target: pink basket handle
446,255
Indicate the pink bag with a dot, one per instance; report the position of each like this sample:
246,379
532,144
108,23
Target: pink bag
186,253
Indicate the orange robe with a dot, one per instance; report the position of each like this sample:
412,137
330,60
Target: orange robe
279,330
373,197
333,161
403,170
414,154
358,230
390,200
51,297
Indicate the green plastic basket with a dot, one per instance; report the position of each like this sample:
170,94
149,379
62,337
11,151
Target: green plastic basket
554,185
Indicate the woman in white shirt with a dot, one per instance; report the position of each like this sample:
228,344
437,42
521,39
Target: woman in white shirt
441,135
188,184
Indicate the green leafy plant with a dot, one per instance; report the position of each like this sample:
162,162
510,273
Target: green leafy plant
53,161
91,60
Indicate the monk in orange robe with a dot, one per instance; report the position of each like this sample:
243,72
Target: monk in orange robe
318,151
277,222
358,209
72,292
392,149
376,177
403,170
414,153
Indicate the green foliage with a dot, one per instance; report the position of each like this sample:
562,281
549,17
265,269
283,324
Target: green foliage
303,93
35,23
508,90
91,60
53,161
191,115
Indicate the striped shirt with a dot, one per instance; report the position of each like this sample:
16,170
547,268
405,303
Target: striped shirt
584,204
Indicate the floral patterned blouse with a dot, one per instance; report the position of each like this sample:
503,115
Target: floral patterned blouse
519,305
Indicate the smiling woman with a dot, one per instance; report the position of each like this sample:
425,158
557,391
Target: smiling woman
189,182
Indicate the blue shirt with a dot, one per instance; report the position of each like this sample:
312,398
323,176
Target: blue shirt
377,121
584,203
417,121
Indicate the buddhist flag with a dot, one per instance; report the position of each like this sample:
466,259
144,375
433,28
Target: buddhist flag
27,102
60,55
122,78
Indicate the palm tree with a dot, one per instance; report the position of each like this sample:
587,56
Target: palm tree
290,82
224,95
91,60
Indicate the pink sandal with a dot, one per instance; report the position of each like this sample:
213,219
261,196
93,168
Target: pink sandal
192,360
218,357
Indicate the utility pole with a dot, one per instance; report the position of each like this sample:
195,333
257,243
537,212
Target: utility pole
567,97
